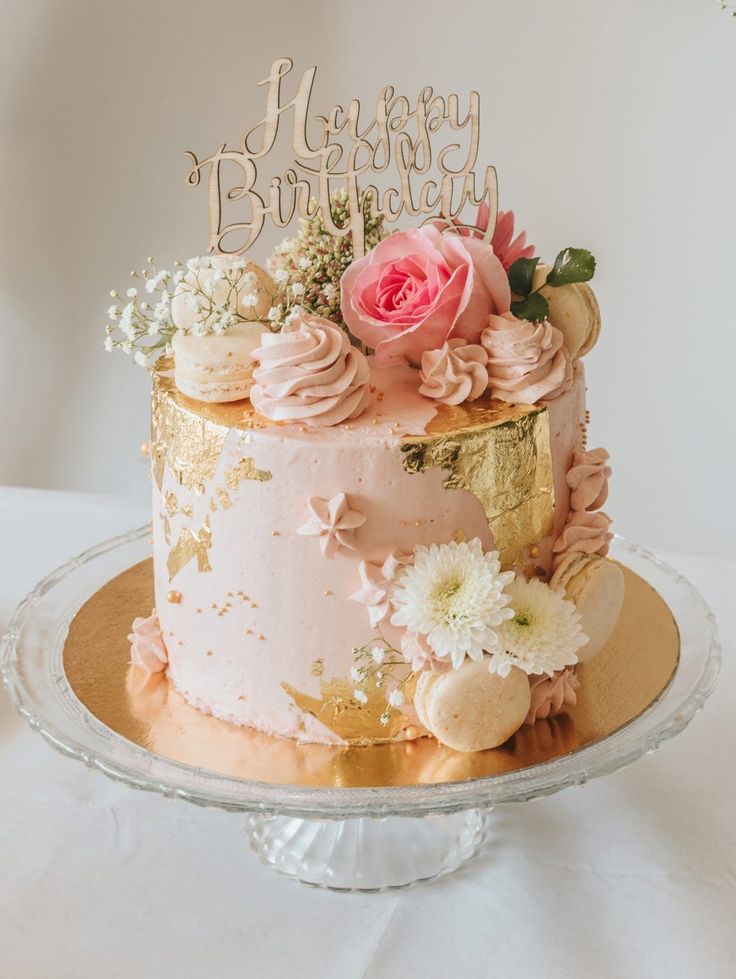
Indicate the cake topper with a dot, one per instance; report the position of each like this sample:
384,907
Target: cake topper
348,147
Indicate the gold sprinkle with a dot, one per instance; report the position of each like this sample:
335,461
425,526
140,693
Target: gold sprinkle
213,605
241,697
174,597
145,448
198,611
379,396
275,533
253,605
375,421
261,637
327,591
318,667
209,652
402,523
417,523
249,632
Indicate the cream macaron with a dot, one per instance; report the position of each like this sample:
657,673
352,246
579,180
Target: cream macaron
471,709
573,310
217,368
596,586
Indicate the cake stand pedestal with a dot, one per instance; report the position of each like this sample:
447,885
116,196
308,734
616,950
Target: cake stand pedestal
345,818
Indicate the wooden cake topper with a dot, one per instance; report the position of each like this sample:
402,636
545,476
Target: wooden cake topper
398,136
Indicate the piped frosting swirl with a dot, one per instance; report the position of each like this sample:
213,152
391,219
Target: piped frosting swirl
551,694
527,362
309,372
147,647
585,533
454,373
588,480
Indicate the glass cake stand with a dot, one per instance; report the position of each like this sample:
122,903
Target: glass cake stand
337,837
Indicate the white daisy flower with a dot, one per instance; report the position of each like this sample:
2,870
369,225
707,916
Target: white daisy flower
361,696
543,635
131,293
454,595
113,312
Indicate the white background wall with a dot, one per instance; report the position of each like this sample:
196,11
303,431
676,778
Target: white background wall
611,125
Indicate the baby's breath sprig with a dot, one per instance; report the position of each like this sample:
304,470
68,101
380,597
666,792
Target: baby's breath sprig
216,298
375,665
315,260
142,326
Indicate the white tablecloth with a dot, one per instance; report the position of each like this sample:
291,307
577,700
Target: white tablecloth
633,875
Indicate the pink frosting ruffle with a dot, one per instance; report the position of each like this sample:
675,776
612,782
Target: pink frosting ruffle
309,372
588,480
527,362
551,694
147,647
585,533
454,373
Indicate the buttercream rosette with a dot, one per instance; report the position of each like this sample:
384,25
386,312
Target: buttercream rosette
147,647
454,373
527,362
550,695
585,533
588,480
309,372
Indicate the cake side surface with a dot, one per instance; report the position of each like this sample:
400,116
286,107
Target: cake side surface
261,620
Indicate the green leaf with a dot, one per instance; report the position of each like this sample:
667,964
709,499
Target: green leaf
521,275
572,265
534,307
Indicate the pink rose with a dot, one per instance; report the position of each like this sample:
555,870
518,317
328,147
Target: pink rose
416,289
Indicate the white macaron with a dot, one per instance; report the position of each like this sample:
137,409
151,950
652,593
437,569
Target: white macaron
471,709
217,368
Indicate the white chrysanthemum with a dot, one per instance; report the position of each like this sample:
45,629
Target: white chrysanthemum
544,634
454,595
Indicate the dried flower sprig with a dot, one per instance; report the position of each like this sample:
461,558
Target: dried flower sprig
202,296
375,663
315,260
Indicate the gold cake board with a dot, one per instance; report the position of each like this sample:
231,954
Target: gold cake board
617,686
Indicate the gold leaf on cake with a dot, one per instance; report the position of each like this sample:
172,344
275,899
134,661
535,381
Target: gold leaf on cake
191,545
181,439
350,720
245,469
171,504
501,454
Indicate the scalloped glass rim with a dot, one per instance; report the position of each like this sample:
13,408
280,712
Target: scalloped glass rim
30,664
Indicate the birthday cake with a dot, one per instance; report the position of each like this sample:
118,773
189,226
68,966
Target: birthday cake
376,516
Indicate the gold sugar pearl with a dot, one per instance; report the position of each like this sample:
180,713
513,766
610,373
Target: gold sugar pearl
174,597
411,733
534,550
